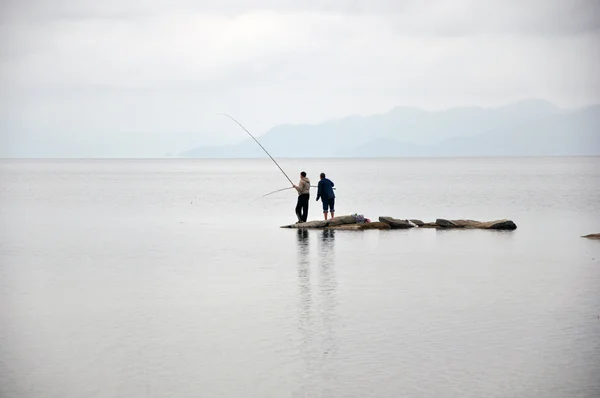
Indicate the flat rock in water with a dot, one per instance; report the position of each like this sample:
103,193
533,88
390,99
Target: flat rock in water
395,223
337,221
497,224
430,225
362,226
502,225
446,223
592,236
375,225
342,220
349,223
308,224
506,225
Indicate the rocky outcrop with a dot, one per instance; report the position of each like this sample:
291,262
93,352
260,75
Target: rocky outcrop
362,226
441,223
349,223
446,223
592,236
336,222
396,224
341,220
309,224
505,225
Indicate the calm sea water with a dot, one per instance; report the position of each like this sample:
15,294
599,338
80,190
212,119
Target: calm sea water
156,278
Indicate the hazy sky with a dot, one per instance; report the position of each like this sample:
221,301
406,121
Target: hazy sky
137,77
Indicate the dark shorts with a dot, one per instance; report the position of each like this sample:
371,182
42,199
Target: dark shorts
329,204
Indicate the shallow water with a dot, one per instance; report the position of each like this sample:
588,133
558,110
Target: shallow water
154,278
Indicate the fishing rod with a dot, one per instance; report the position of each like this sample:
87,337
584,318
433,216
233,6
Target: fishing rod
263,148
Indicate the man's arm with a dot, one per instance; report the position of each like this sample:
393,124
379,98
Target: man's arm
319,185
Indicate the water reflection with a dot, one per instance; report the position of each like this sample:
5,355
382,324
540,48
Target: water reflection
303,241
328,304
305,326
317,312
304,273
328,238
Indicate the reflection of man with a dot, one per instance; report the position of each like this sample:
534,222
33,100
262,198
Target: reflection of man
305,323
302,237
328,235
303,244
327,245
327,300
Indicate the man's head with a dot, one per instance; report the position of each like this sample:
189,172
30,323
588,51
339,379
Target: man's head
303,174
322,175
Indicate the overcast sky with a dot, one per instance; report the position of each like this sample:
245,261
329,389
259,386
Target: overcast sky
135,78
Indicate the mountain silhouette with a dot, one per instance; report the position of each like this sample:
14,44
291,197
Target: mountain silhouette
525,128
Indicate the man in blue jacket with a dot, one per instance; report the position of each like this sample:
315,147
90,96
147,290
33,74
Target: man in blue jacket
325,191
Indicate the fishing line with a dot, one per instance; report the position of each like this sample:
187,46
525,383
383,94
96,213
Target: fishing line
263,148
279,190
284,189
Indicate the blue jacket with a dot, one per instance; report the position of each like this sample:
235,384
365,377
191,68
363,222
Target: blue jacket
325,189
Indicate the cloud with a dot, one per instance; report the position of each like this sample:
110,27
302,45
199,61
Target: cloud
431,17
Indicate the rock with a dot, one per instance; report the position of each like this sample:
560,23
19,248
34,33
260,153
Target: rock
362,226
498,224
337,221
342,220
395,223
309,224
592,236
506,225
430,225
375,225
349,223
446,223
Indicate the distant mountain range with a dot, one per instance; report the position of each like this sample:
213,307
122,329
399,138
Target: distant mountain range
525,128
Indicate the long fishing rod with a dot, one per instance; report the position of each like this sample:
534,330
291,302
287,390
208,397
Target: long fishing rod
263,148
